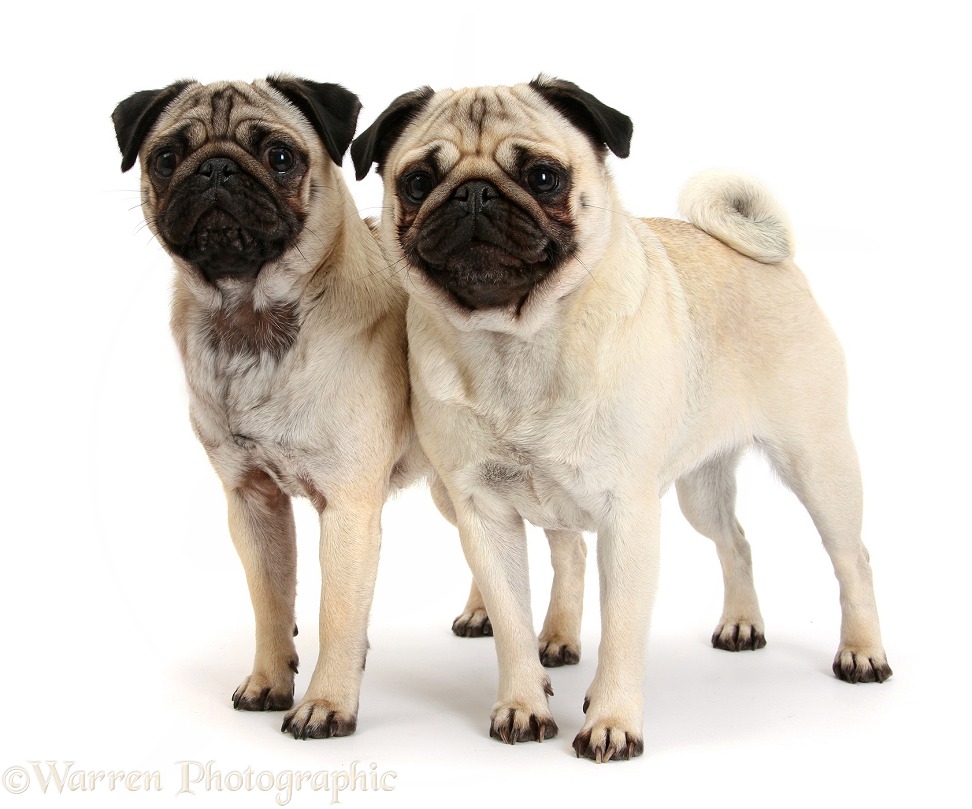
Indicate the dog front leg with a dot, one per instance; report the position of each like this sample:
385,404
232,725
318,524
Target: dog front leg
627,560
261,523
494,542
350,541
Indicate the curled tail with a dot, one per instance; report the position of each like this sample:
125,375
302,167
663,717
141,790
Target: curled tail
740,212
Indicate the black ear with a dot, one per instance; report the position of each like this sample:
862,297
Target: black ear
373,145
134,117
331,110
604,125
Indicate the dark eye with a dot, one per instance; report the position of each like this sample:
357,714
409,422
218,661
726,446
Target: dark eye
280,158
543,179
165,163
417,185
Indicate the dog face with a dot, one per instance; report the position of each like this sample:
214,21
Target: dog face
233,173
501,196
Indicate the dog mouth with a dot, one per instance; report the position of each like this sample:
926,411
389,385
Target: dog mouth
228,227
221,246
484,275
486,255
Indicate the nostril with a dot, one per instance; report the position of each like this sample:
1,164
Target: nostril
474,195
218,167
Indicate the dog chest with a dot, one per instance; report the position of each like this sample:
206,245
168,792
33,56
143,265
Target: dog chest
536,492
248,413
544,463
497,411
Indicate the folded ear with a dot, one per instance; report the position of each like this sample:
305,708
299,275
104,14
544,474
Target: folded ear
330,109
135,116
373,145
604,125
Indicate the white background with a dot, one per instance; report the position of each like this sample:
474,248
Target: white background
124,614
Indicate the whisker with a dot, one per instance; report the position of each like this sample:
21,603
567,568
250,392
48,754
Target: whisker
588,270
408,277
386,268
314,234
610,210
297,248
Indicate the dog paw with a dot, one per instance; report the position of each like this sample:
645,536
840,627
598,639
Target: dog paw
738,637
558,652
474,624
318,719
606,741
257,693
862,666
512,723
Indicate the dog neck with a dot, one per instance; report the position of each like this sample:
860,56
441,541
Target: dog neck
259,319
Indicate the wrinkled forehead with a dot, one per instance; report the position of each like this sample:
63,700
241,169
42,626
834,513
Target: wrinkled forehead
488,125
230,111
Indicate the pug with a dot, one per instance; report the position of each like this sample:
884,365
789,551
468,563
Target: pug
294,349
291,330
571,362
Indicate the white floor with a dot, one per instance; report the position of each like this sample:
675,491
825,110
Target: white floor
746,729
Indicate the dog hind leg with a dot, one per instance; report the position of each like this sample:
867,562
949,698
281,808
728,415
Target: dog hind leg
817,460
707,497
473,622
560,636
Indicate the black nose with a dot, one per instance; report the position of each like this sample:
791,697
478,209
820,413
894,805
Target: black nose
218,169
475,195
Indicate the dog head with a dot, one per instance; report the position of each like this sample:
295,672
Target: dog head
500,194
235,176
